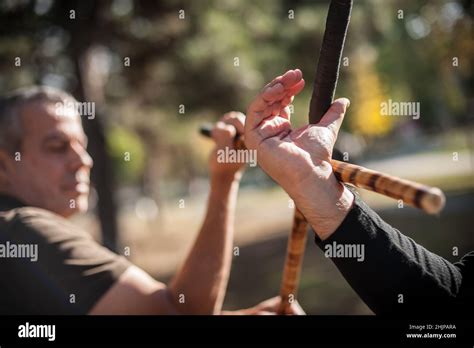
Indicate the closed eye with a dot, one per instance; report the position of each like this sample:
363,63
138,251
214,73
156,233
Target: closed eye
57,146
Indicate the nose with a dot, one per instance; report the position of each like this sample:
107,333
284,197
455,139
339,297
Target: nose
81,158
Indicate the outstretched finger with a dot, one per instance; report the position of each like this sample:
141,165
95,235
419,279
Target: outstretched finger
277,89
274,97
296,88
267,96
288,79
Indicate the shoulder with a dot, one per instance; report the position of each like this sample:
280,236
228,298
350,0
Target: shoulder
38,224
56,238
65,260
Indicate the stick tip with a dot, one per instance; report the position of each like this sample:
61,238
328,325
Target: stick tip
433,201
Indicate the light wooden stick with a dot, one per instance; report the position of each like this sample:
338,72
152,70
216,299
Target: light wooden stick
429,199
293,261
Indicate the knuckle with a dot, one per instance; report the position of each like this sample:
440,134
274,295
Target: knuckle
332,131
229,130
219,125
227,116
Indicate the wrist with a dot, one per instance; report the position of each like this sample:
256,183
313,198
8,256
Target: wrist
325,203
343,205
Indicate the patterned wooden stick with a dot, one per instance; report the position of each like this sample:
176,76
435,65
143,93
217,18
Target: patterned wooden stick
293,261
429,199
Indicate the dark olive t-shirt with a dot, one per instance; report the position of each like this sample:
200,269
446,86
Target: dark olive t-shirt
48,265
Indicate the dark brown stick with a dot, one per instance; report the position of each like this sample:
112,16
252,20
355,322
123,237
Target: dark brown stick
324,88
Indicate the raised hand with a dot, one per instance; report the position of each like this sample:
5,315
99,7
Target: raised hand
299,160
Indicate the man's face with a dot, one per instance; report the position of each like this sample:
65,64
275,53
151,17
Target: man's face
54,169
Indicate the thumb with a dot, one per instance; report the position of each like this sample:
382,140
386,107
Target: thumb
333,118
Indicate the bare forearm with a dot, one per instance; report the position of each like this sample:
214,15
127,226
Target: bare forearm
199,287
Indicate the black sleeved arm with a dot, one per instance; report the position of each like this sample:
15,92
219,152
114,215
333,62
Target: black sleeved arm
397,276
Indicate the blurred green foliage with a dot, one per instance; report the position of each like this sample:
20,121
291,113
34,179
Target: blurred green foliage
212,56
127,153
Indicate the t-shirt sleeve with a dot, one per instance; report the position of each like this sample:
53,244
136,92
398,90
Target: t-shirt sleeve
68,274
395,275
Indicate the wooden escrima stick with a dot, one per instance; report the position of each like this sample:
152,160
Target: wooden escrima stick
429,199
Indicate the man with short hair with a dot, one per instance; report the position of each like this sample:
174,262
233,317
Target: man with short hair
44,179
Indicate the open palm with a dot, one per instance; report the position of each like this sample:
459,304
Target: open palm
290,156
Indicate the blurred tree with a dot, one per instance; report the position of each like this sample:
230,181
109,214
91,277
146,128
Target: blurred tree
366,118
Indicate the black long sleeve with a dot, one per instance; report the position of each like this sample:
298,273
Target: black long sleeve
394,275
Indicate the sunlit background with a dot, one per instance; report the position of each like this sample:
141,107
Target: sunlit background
158,69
